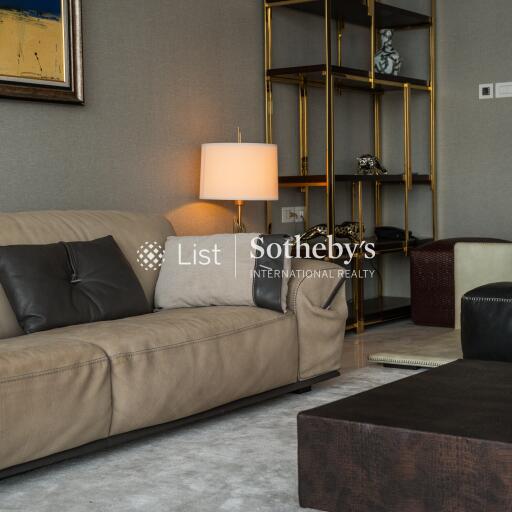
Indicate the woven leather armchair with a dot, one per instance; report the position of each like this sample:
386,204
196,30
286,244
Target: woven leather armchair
434,268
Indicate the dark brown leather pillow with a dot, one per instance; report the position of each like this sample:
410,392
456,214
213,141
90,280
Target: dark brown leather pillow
69,283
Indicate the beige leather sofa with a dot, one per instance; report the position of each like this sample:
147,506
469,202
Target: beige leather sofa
73,386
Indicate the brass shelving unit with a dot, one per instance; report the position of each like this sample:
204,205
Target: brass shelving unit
333,78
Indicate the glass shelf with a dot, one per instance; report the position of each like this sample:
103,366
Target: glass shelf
318,180
345,78
354,11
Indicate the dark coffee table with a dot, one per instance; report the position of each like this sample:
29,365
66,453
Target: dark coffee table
439,441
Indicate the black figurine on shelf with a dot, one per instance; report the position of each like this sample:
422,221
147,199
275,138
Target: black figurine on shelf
369,164
347,230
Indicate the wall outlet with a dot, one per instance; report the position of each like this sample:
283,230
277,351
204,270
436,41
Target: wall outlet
486,91
292,214
504,90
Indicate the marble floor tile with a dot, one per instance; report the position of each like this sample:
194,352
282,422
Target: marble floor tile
404,338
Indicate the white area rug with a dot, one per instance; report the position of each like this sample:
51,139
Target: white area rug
243,461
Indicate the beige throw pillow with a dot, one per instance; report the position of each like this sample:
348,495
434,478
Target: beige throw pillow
222,270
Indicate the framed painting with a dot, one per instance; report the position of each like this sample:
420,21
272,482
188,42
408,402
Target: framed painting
41,50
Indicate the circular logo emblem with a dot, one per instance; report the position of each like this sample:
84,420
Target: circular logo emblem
150,256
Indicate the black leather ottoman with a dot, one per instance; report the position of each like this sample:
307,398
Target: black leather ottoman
486,322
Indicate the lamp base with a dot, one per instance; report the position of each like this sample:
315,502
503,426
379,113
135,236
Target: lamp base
238,225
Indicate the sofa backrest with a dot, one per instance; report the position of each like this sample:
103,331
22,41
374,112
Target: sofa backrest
130,230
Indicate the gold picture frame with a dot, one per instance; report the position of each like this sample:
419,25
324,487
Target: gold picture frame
41,51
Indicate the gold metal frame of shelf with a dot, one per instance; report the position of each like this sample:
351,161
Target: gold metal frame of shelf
306,184
377,191
303,145
407,163
373,41
288,3
303,128
313,181
267,23
332,79
329,120
340,25
355,78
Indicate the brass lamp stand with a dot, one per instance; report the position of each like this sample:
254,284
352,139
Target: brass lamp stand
238,224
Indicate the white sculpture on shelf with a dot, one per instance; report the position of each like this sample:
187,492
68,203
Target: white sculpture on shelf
387,59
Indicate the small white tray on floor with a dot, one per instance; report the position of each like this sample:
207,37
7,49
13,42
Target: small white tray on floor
394,359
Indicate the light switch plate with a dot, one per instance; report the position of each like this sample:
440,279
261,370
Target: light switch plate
292,214
287,215
299,212
503,90
486,91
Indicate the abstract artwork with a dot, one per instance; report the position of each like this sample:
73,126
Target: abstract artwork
41,50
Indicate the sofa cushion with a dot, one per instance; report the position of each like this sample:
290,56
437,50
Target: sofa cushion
175,363
69,283
54,395
245,269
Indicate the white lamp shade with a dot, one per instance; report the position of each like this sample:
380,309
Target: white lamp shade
245,172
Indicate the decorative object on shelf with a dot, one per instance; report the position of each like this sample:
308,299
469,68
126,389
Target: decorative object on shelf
320,230
239,172
41,50
369,164
387,59
349,230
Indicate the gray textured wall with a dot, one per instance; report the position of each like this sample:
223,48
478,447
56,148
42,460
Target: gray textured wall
161,78
475,149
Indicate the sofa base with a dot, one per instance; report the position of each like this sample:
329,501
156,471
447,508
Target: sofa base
109,442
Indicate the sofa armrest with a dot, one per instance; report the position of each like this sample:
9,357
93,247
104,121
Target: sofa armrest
477,264
316,294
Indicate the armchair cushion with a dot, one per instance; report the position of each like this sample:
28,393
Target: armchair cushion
487,322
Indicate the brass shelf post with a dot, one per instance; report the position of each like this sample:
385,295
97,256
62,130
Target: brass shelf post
267,17
433,174
377,151
303,144
329,121
407,163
